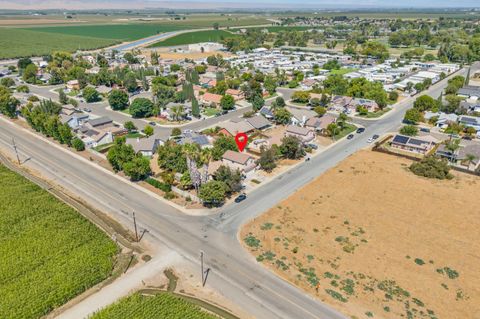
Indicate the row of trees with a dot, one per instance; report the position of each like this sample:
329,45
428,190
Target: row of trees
44,119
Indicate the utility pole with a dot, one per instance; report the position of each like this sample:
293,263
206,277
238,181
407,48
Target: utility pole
203,273
135,225
16,151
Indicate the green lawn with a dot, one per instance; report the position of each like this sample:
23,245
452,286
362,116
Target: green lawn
163,305
349,128
134,135
210,111
195,37
49,252
19,42
124,32
376,114
343,71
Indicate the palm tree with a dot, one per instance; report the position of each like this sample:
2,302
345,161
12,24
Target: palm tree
470,158
192,153
179,112
206,157
332,129
452,146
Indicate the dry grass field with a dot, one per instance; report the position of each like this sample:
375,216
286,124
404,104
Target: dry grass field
376,241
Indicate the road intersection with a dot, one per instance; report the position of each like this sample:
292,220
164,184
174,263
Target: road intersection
235,273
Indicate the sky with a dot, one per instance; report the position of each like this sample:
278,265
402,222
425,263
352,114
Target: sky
244,4
377,3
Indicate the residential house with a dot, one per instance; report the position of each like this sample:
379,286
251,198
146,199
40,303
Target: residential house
470,92
210,99
75,120
236,94
461,155
241,161
259,122
418,144
145,146
304,134
94,138
189,137
320,124
235,126
470,121
339,102
100,122
442,119
267,112
300,116
370,105
73,85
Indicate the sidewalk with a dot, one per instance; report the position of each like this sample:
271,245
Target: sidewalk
121,287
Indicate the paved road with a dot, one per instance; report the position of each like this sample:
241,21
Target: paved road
235,273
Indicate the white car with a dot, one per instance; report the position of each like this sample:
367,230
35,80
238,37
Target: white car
373,138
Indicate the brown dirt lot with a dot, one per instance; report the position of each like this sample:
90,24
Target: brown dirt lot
379,240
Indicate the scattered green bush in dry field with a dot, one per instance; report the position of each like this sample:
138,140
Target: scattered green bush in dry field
49,253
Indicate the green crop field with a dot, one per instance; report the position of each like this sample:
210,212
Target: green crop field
124,32
163,305
19,42
195,37
49,253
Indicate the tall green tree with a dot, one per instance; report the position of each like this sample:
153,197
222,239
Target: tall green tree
118,99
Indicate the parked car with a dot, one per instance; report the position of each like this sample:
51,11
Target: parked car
152,123
373,138
425,129
360,130
240,198
350,136
86,109
312,146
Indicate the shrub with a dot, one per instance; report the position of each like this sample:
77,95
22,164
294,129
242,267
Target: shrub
431,167
78,144
157,184
419,261
409,130
90,94
336,295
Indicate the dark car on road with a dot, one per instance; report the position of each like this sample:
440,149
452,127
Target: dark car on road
240,198
360,130
152,123
350,136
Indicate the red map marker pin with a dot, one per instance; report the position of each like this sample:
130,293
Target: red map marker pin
241,139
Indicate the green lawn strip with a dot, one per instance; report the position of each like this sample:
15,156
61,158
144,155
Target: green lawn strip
194,37
50,253
343,71
370,115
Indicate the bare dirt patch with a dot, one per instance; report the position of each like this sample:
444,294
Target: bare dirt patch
374,240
